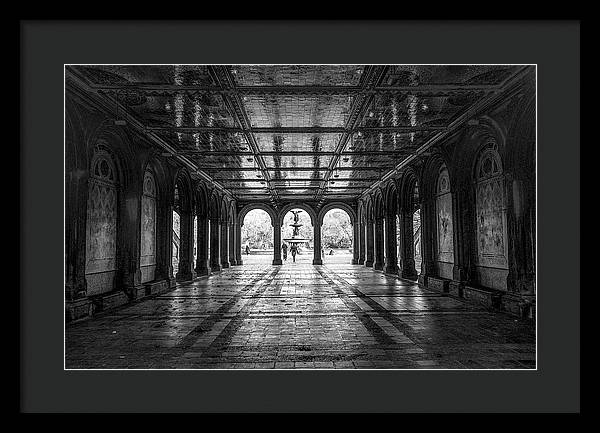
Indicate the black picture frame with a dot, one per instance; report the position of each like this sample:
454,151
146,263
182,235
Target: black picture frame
47,45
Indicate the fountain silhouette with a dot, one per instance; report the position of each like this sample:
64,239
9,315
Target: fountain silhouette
296,239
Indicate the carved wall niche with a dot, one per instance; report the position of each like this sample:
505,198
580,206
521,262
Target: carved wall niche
490,211
101,224
148,235
445,242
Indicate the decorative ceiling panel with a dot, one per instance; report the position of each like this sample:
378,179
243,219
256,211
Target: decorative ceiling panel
297,142
416,110
291,111
387,141
415,75
214,162
182,109
296,174
297,75
183,75
206,141
350,124
287,161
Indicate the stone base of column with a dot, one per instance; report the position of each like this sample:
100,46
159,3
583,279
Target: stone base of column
409,274
317,262
378,266
421,279
171,283
232,262
239,262
202,271
277,262
224,265
215,268
185,276
369,263
391,269
355,261
360,262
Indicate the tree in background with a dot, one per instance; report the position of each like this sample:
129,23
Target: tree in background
257,230
336,231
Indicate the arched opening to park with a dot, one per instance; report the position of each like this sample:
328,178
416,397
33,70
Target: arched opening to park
337,237
257,237
297,235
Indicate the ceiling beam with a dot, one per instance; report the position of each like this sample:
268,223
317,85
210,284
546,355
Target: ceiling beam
160,88
295,130
108,106
294,153
371,78
233,102
471,112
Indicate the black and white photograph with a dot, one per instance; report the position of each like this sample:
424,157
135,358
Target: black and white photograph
300,216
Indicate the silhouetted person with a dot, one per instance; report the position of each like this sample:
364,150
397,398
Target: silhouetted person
294,250
284,248
331,252
247,250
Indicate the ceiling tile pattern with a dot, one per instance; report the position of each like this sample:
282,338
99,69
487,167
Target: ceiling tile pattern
296,132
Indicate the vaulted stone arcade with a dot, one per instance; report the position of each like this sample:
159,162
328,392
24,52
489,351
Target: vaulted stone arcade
435,166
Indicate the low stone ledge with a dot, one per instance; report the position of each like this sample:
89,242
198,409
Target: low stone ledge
455,288
519,306
156,287
78,309
489,297
438,284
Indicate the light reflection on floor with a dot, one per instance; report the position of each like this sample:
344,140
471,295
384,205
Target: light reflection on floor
301,316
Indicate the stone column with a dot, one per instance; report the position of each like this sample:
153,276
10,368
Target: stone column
355,243
130,217
369,244
238,243
202,246
224,245
391,260
185,271
428,230
361,243
164,244
75,234
215,241
277,244
378,264
232,244
317,258
407,259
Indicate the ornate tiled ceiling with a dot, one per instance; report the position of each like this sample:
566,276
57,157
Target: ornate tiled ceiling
300,132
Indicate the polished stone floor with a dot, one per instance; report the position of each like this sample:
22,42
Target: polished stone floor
301,316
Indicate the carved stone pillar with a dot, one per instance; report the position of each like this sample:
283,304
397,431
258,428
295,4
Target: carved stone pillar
75,234
391,261
369,251
131,215
224,245
277,244
407,245
317,258
428,230
361,243
379,251
185,271
238,243
232,244
215,241
202,246
355,243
